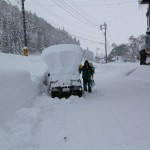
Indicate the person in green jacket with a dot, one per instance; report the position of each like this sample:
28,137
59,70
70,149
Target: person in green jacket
87,73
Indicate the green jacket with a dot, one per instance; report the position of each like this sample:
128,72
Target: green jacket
86,72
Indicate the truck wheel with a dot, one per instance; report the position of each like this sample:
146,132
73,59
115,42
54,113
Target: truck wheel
53,94
79,93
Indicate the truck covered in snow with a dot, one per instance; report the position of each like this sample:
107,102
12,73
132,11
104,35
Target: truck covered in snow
63,66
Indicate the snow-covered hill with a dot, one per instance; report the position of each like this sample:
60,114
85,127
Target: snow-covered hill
114,117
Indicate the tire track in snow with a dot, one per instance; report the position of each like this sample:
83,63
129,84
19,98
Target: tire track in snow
65,127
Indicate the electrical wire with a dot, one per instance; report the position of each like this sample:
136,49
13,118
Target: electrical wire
109,4
68,29
73,14
13,8
85,39
12,5
18,2
105,4
78,13
80,37
75,33
88,40
82,11
83,18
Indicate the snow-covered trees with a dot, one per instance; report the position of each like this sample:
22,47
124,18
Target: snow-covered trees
40,34
128,51
88,55
119,51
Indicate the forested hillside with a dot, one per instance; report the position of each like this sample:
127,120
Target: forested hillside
40,34
127,51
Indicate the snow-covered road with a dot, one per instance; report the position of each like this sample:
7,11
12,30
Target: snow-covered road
115,116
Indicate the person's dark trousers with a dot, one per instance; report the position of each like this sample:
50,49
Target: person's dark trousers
87,83
143,57
142,62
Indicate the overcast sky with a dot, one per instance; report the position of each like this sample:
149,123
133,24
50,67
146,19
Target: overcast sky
83,19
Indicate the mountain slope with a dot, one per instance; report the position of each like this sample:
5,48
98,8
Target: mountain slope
40,34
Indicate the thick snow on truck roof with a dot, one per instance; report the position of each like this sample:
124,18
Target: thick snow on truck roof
63,60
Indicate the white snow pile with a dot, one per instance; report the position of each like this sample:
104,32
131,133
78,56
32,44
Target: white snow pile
20,81
63,61
19,135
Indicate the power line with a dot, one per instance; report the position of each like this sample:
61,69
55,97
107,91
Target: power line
97,5
12,5
83,11
70,29
18,2
80,37
73,14
78,32
111,4
83,18
9,2
88,40
91,43
78,13
74,32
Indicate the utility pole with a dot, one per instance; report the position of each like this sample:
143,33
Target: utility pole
104,26
24,24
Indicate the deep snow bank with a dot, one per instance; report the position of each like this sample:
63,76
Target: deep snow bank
16,90
20,132
20,81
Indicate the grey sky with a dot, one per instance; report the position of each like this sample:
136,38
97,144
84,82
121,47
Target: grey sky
123,18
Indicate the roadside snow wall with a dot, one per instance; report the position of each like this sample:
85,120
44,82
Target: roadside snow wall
20,80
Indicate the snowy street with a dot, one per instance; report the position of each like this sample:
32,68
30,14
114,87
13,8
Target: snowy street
115,116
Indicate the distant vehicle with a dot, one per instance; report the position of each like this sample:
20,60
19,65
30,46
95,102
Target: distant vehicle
63,63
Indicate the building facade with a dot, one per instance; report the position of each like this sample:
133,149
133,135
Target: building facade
147,14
